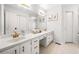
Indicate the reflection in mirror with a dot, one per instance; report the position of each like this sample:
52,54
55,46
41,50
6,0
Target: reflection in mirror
17,16
41,23
0,19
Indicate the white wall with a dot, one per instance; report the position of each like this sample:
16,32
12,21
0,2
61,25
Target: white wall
56,26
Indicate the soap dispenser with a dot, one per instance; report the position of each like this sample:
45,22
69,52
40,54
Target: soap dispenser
15,33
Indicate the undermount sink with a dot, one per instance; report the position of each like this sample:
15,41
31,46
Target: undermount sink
36,32
18,38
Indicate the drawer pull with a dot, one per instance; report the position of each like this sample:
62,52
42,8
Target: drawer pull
23,48
15,52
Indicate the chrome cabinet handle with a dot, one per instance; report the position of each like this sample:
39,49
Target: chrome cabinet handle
23,48
15,51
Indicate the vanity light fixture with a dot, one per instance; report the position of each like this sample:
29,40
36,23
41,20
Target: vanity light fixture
41,12
24,5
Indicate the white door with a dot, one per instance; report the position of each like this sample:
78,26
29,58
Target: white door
68,24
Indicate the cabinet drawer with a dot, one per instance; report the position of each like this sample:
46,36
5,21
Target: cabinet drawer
43,36
35,50
35,42
48,37
35,46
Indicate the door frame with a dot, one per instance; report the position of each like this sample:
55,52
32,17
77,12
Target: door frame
72,25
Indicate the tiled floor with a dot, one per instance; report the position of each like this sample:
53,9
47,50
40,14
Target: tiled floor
68,48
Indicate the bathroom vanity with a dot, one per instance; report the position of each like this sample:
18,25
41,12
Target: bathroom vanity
23,19
29,44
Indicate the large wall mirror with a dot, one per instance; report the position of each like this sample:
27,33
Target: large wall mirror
0,19
18,17
14,17
42,22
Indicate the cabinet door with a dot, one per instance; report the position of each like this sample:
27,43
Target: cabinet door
35,49
35,46
5,52
25,48
15,50
49,38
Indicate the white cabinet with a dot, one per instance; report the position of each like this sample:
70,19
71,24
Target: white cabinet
35,46
47,39
28,47
25,48
6,52
15,50
31,46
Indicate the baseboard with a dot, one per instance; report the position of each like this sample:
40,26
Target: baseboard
68,42
58,43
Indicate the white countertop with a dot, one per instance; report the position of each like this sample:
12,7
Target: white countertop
8,42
